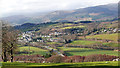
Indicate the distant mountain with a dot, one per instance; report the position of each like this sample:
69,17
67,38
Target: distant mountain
16,19
90,13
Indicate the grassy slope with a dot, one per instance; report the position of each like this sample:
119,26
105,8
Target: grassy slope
111,44
85,51
35,50
53,43
69,27
113,37
109,64
85,42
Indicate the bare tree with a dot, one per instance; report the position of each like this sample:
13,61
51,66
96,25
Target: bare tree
9,42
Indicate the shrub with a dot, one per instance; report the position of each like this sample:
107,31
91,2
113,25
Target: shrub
55,59
74,59
99,57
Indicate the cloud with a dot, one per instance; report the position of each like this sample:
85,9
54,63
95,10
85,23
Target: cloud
29,6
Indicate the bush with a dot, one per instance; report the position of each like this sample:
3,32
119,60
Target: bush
55,59
99,57
74,59
47,55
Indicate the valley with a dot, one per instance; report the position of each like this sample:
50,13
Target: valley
69,39
80,38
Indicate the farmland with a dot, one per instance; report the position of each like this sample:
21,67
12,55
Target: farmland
86,51
87,42
73,27
113,37
73,40
32,50
52,43
66,38
84,42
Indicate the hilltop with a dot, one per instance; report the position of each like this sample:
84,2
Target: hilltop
101,12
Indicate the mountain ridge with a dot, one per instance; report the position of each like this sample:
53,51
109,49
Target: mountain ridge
100,12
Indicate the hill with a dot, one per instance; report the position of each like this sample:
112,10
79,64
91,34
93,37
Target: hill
90,13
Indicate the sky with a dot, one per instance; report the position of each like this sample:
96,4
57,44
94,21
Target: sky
12,7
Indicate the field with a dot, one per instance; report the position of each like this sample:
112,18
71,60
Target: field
113,37
53,43
86,51
85,42
105,64
111,44
33,50
81,26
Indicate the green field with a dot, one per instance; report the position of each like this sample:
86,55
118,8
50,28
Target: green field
53,43
105,64
85,42
113,37
33,50
69,27
68,24
61,25
70,51
111,44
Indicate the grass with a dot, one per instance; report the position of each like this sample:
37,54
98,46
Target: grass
113,37
53,43
19,45
61,25
33,50
68,24
111,44
70,51
109,64
69,27
86,42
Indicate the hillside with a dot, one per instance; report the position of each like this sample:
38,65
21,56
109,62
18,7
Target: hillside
67,42
78,38
101,12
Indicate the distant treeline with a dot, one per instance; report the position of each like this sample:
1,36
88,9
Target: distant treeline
32,26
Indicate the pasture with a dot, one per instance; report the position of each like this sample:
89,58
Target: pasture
86,42
69,27
32,50
70,51
113,37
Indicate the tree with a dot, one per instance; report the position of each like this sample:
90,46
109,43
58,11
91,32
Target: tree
4,43
13,43
99,57
9,42
55,59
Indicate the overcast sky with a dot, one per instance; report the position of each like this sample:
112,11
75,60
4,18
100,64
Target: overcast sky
8,7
